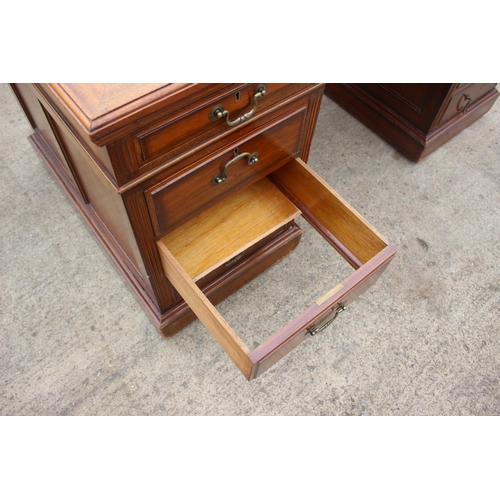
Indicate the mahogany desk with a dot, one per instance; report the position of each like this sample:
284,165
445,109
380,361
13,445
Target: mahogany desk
193,189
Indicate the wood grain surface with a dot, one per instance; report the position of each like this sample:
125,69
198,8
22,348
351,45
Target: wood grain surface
220,233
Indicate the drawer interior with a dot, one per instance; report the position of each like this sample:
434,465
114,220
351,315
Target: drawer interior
295,189
221,233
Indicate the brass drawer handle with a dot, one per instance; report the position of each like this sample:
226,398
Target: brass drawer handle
219,111
328,323
467,99
222,175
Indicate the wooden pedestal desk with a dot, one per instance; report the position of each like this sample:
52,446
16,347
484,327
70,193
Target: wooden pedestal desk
154,169
416,118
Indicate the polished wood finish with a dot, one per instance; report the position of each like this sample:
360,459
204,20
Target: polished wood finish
85,134
176,132
344,228
139,161
113,127
114,252
196,185
416,118
107,110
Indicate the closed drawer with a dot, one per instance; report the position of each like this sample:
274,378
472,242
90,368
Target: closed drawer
341,226
203,121
178,197
464,99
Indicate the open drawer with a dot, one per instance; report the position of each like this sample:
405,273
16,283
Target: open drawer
339,224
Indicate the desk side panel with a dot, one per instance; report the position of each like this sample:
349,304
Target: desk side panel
83,181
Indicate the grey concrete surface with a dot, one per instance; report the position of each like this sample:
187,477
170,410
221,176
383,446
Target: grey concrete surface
424,340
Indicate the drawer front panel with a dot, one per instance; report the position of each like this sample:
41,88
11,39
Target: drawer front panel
178,133
177,198
464,99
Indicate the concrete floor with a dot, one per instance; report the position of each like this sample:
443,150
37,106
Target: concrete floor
424,340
